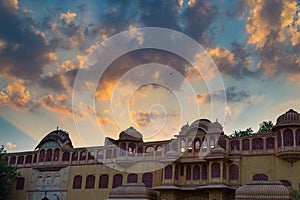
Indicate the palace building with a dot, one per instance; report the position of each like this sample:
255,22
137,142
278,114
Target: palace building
199,162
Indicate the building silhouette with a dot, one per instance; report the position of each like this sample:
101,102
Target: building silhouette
200,162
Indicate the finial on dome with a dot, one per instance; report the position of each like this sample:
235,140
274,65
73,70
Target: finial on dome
57,128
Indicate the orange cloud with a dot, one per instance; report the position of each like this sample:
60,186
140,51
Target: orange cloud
10,145
15,96
57,104
69,16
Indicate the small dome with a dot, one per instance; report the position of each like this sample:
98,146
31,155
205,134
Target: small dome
263,190
218,151
59,136
132,191
235,151
172,155
291,117
131,134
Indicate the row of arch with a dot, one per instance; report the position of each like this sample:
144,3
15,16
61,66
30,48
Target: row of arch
256,144
147,179
200,172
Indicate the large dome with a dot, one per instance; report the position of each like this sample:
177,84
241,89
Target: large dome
200,123
291,117
131,134
59,136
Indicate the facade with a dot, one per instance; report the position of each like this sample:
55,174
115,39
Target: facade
200,162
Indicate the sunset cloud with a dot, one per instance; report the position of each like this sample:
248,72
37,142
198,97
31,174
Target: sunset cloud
68,17
10,145
16,96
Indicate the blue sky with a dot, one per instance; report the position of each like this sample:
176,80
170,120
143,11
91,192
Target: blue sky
43,44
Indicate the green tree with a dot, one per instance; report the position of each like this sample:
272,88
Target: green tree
295,194
241,133
8,175
265,127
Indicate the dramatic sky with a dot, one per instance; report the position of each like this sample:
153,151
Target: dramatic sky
43,44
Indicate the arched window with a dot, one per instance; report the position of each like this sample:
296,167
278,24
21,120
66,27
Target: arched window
168,172
91,155
108,153
122,149
212,142
224,171
28,159
82,155
190,143
182,145
103,181
42,155
56,154
49,155
147,179
12,160
288,137
279,139
197,144
176,172
270,143
75,156
149,149
132,178
204,172
117,181
181,170
174,145
131,149
140,151
188,173
245,144
222,143
100,155
114,153
90,182
260,177
257,144
20,183
77,181
196,172
235,144
234,172
215,170
34,158
298,137
20,160
66,156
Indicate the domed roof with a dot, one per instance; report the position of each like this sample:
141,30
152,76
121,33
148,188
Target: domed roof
218,151
131,134
132,191
235,151
172,155
215,126
200,123
263,190
291,117
59,136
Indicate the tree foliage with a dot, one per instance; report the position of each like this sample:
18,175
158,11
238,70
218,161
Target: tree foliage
295,195
265,127
8,175
241,133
